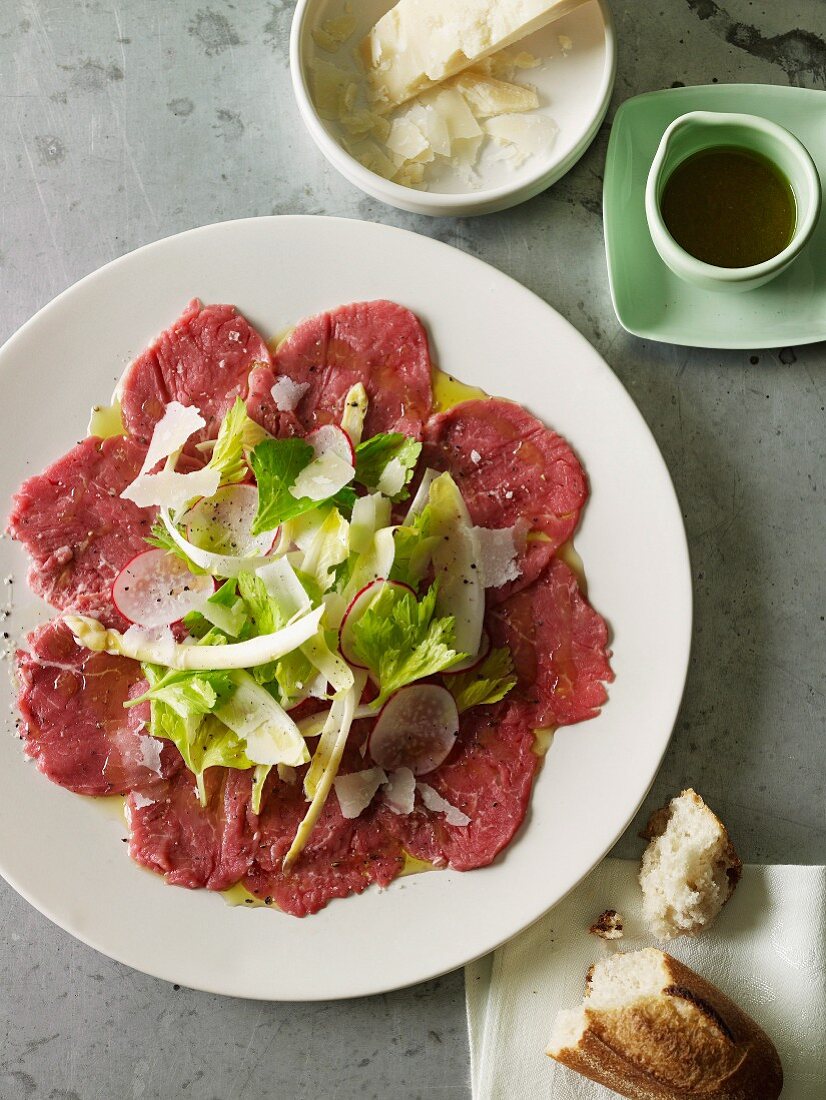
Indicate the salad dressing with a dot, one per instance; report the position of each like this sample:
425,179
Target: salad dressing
414,866
543,739
729,207
568,554
449,391
240,895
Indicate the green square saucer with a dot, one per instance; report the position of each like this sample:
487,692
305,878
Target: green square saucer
649,299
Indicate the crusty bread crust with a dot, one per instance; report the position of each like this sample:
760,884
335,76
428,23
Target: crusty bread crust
690,1042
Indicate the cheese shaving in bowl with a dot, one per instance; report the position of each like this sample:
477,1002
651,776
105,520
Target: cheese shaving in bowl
439,131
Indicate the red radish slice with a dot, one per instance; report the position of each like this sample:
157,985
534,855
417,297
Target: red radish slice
156,589
332,438
471,662
221,524
416,729
355,609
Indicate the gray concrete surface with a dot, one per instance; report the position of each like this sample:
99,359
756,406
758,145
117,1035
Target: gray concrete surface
121,122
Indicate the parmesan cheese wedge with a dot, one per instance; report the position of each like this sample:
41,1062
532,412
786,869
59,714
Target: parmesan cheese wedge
420,43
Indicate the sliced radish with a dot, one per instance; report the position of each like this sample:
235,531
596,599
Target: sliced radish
434,801
471,662
356,791
400,791
355,609
220,565
330,438
157,589
222,523
416,729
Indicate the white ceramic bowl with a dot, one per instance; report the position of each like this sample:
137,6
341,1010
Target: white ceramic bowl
575,90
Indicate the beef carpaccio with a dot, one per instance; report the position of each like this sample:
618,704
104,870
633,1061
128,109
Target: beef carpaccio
514,474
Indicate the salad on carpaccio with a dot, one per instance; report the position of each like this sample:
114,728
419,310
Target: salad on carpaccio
315,604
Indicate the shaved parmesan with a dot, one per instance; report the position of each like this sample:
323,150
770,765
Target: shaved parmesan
369,155
323,477
332,33
407,140
410,175
334,91
287,394
356,791
528,134
432,125
400,791
168,489
487,96
361,123
140,801
499,549
453,108
392,478
151,753
174,428
434,801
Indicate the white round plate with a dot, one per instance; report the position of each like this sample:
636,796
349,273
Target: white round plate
574,81
64,853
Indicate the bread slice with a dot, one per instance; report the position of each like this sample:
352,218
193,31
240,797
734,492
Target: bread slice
689,870
651,1029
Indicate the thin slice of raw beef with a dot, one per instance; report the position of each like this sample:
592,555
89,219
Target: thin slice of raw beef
190,845
203,359
559,646
488,776
510,467
77,529
75,725
380,344
342,857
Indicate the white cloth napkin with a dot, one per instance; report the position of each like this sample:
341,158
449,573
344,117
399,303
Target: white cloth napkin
767,950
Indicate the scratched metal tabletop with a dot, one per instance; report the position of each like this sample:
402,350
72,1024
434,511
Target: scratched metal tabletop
122,122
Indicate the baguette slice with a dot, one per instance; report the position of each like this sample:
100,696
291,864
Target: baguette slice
651,1029
689,870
